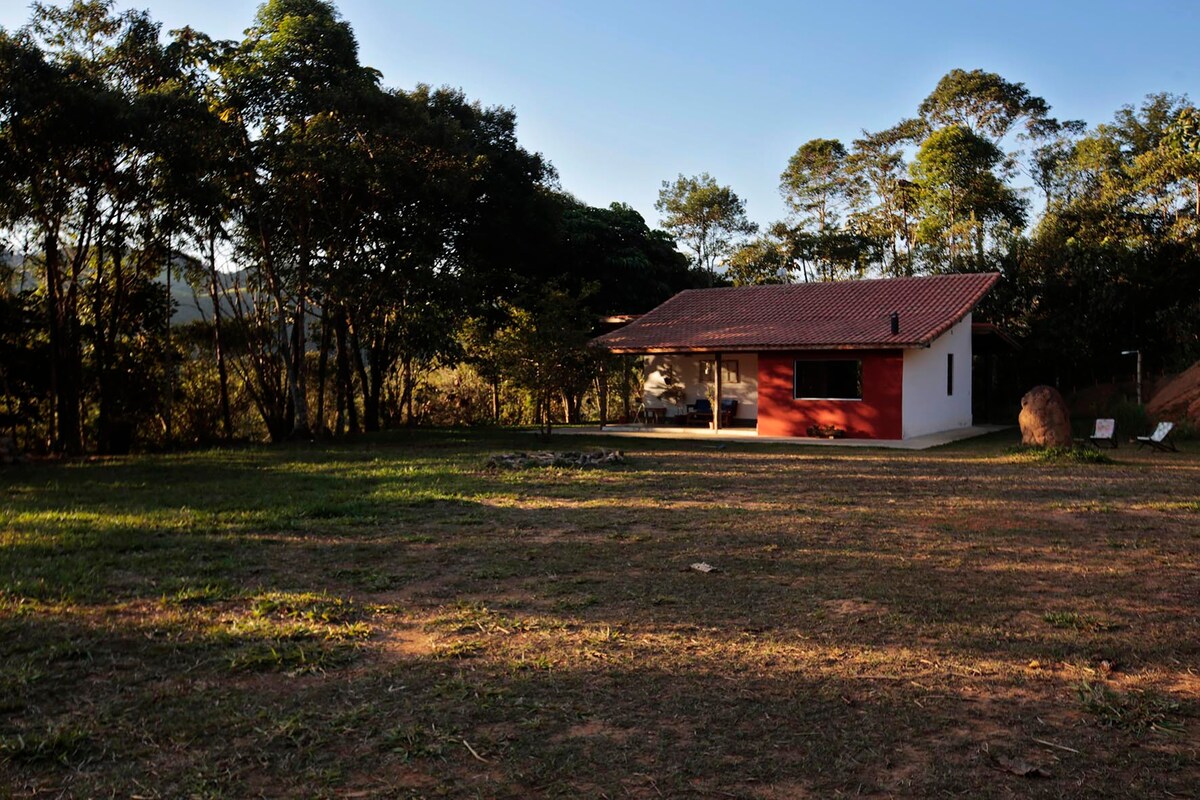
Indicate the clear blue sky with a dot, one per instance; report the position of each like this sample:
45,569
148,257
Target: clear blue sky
621,95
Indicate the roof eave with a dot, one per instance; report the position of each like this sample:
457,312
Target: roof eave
772,348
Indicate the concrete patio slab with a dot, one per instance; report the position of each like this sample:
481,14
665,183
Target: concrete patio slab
750,436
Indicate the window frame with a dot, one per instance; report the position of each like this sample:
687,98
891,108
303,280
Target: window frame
825,361
706,370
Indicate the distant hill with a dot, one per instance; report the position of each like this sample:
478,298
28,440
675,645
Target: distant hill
189,306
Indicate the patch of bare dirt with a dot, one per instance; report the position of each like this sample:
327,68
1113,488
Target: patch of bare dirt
593,729
855,607
1179,399
406,643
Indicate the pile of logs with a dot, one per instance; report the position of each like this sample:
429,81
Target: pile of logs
595,458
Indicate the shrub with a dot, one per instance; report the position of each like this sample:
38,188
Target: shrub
1075,454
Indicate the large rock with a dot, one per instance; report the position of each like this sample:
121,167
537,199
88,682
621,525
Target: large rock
1044,419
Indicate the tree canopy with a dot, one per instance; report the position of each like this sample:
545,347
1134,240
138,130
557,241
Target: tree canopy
348,244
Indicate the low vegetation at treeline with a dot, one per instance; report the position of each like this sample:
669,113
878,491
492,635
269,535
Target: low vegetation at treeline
349,242
389,618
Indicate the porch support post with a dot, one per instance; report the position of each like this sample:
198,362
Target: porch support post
625,389
602,394
717,402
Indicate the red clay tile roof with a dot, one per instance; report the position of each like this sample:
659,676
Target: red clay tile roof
805,316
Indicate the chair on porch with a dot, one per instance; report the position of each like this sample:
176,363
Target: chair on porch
699,411
728,411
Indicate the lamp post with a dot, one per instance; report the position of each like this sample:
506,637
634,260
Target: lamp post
1138,353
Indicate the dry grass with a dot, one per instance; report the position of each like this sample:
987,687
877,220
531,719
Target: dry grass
388,619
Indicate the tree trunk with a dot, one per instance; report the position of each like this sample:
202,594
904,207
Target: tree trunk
369,392
322,369
626,388
301,427
67,427
347,410
214,294
602,394
406,396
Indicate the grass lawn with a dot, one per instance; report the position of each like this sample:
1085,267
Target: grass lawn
386,619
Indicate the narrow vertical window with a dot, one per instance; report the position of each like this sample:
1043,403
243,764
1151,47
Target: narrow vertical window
949,374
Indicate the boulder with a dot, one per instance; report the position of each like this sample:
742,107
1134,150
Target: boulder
1044,419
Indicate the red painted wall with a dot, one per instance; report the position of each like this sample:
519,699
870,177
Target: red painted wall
876,416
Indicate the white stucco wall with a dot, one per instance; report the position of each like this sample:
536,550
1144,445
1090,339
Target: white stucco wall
926,407
685,370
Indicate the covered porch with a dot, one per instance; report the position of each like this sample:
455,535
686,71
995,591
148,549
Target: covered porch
750,435
698,391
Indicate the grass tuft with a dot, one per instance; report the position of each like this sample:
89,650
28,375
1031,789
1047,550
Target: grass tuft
59,744
307,606
1075,454
1138,711
462,649
199,595
1071,620
294,658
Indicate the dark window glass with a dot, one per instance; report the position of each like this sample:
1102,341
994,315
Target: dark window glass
949,374
828,380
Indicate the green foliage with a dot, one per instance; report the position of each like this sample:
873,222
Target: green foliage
1075,454
619,265
707,218
986,104
544,350
761,261
382,235
961,198
816,183
370,222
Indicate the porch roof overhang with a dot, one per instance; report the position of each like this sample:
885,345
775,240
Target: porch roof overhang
656,351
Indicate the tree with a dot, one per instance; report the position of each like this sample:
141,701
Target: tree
816,184
961,196
708,219
819,188
763,260
1113,265
1182,147
295,85
619,265
987,105
884,202
544,350
84,145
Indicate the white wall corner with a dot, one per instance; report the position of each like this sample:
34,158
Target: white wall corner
926,406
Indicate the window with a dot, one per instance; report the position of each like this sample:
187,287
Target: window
828,380
729,371
949,374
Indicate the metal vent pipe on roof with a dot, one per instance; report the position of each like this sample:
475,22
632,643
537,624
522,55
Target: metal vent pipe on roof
895,323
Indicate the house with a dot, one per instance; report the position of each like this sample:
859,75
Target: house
889,358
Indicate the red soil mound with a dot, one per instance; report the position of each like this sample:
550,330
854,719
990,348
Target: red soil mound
1179,399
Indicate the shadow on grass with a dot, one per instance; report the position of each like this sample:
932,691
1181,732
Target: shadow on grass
867,627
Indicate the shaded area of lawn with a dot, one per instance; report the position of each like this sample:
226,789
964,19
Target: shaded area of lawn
387,619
